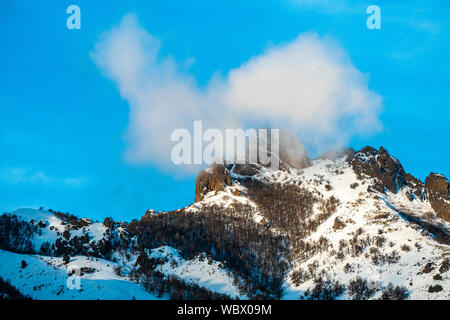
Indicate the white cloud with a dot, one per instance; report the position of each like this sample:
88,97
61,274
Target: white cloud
15,175
308,85
161,98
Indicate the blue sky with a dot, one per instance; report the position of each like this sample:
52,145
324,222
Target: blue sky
63,123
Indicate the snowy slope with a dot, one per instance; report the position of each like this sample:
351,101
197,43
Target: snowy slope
203,271
377,215
55,227
47,278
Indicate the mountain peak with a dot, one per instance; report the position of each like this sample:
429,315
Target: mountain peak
438,192
380,165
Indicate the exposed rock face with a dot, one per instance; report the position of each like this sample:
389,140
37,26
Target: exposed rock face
390,175
438,194
417,187
438,184
109,223
380,165
215,178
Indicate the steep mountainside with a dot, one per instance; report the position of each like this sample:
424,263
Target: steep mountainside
347,225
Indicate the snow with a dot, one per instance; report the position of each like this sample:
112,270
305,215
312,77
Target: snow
359,209
208,274
225,199
55,227
46,278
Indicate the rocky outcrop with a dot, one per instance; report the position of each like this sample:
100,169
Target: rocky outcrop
378,164
390,175
109,223
438,188
215,178
417,188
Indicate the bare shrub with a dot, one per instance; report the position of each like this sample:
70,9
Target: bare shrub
379,241
445,266
435,288
359,289
348,268
324,290
437,277
405,247
397,293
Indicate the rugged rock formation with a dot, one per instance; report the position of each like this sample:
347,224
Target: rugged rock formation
387,170
417,187
109,223
390,175
215,178
438,188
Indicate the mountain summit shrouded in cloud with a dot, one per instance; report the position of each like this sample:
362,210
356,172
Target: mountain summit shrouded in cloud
308,86
87,115
219,150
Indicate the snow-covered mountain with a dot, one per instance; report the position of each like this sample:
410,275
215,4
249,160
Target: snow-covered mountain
347,225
